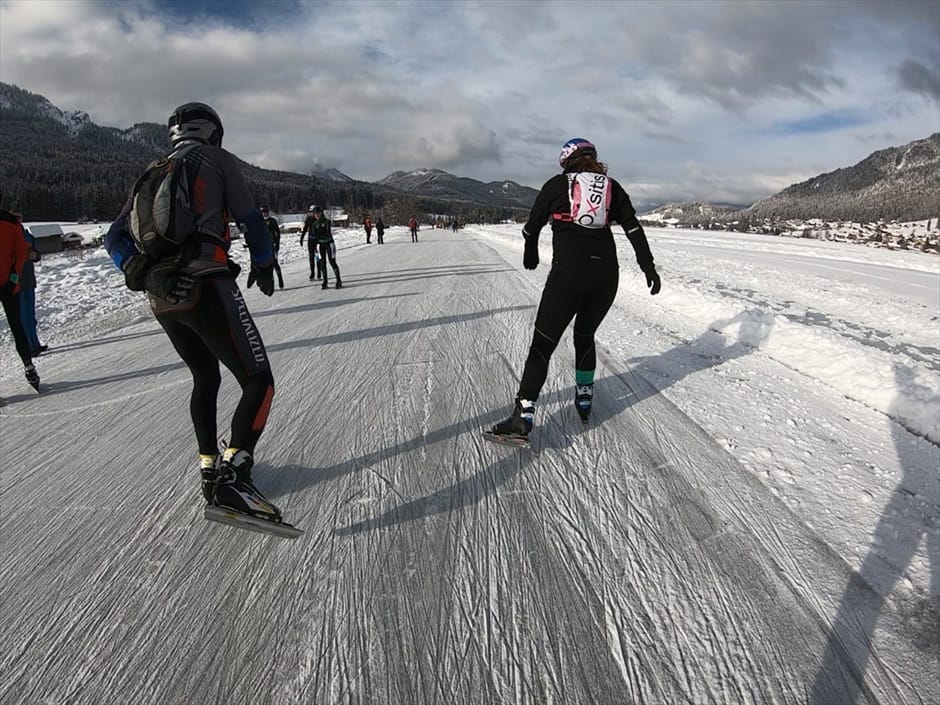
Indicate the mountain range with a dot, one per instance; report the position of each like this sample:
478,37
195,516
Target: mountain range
57,164
440,184
60,165
897,183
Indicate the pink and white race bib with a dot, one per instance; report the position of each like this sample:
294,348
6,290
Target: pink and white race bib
590,195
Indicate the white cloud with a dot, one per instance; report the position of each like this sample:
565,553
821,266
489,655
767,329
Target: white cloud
491,89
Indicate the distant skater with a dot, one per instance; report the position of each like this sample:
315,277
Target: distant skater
322,232
413,225
380,230
274,232
27,295
12,260
307,232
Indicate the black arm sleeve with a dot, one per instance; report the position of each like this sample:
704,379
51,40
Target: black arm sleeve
275,230
641,246
623,212
541,210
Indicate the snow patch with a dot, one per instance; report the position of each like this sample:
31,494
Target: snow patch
73,120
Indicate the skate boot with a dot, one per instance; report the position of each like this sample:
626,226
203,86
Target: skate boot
583,396
234,489
515,429
208,470
339,283
32,376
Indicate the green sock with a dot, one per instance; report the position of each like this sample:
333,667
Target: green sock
584,376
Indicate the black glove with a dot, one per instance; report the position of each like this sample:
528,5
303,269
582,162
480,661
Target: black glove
8,288
165,281
264,275
530,257
652,281
135,271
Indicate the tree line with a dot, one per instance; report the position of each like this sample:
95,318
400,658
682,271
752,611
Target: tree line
48,174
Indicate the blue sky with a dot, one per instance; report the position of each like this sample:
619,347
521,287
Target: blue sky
821,122
256,14
724,101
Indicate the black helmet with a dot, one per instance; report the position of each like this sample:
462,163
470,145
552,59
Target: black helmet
195,121
264,208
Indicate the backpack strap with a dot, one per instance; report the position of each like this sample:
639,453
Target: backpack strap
181,153
204,218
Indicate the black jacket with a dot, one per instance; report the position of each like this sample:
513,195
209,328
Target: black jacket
274,230
573,243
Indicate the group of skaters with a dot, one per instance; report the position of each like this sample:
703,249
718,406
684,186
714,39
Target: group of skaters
380,229
194,295
321,247
18,253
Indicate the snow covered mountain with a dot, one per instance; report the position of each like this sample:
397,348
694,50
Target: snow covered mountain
149,135
897,183
441,184
900,183
17,100
688,212
93,167
330,174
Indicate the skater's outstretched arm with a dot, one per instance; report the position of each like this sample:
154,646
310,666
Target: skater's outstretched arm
622,211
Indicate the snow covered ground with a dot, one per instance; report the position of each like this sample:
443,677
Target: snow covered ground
917,235
752,517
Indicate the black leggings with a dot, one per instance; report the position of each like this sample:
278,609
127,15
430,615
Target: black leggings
219,328
584,293
11,306
328,252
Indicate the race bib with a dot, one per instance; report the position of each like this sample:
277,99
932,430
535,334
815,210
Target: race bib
589,194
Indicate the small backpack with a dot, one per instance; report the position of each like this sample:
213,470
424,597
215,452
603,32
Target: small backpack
162,218
590,196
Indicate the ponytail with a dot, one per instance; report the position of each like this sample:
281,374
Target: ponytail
586,162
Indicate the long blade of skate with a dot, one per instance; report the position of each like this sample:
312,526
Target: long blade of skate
517,441
245,521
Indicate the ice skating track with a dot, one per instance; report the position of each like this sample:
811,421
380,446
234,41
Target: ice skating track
634,562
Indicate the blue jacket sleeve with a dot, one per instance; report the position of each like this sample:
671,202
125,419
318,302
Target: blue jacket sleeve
256,235
119,243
